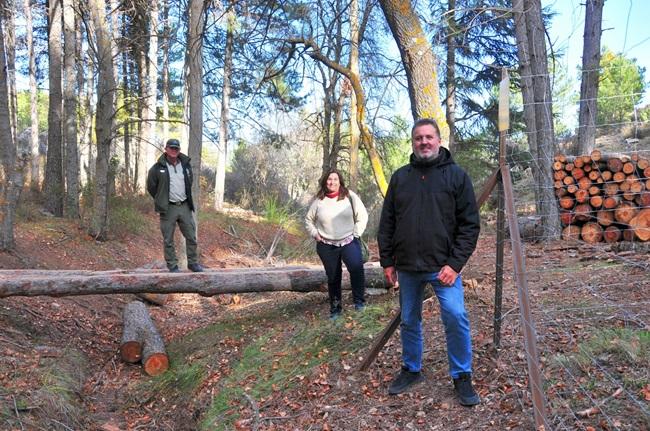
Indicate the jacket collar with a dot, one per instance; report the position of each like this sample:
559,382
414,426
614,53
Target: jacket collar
444,158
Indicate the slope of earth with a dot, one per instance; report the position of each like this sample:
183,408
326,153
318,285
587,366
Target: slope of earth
275,362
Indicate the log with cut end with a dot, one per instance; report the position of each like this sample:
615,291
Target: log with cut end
566,217
154,298
625,211
643,199
615,164
134,314
591,233
612,234
571,232
154,357
640,224
567,202
583,212
596,202
605,217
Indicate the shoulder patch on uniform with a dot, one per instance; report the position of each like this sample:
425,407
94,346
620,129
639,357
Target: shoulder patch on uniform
162,170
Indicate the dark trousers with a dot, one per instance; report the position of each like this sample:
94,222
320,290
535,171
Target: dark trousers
181,215
332,256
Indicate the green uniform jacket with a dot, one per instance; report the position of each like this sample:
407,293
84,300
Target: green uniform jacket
158,182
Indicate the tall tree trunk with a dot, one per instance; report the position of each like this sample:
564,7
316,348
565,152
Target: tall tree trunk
12,158
105,118
419,62
126,178
150,82
530,32
590,75
87,134
54,185
165,70
354,68
194,60
70,105
450,101
220,176
35,174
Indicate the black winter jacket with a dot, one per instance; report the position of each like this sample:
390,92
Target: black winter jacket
158,182
430,218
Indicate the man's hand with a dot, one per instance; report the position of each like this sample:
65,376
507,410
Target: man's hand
446,275
391,275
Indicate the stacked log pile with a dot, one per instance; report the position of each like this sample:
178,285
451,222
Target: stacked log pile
603,197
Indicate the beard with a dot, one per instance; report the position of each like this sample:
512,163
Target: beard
430,158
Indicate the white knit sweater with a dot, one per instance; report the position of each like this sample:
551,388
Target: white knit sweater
333,220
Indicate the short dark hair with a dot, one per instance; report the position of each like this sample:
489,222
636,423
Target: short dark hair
322,191
173,143
426,122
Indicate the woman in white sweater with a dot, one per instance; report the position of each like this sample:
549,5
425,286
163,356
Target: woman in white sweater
336,219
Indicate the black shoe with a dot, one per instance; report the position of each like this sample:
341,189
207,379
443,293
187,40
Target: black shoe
464,390
195,267
334,315
359,307
174,269
404,380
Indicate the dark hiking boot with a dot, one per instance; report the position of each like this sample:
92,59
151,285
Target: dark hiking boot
174,269
195,267
404,380
465,391
359,307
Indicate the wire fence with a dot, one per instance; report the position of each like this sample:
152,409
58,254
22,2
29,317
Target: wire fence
590,306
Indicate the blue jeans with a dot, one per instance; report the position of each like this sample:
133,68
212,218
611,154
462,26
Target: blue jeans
452,312
350,254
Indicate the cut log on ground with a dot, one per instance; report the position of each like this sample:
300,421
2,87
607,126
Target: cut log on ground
154,298
134,314
208,283
154,356
142,341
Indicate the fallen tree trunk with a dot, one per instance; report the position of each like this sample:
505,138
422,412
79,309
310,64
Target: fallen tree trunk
209,283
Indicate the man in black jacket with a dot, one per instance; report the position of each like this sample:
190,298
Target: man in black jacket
428,230
169,182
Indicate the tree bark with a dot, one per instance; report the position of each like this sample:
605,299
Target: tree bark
53,188
194,60
106,89
537,93
222,155
165,70
450,100
354,68
70,112
209,283
590,74
13,154
35,174
419,62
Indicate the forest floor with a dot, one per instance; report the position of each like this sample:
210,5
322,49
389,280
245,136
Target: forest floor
273,361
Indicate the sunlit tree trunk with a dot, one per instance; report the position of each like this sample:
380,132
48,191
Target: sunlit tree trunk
106,89
149,140
450,101
53,188
165,71
531,45
35,174
220,176
590,75
70,111
194,59
419,62
354,68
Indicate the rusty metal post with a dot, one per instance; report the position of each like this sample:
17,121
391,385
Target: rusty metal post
504,124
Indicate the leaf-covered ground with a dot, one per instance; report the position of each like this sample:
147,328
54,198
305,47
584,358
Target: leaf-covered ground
275,362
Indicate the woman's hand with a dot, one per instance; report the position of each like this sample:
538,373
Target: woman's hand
318,238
